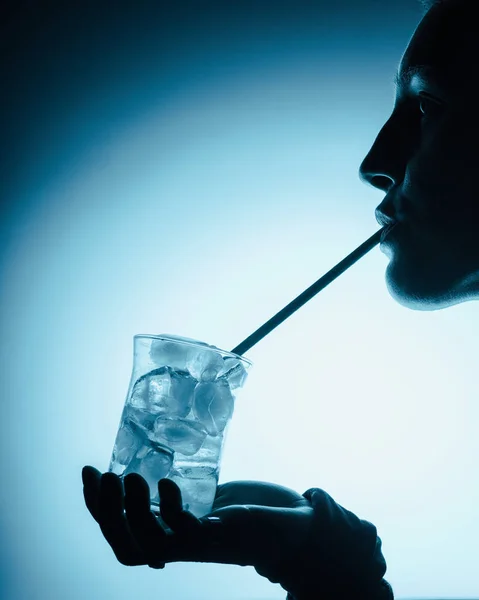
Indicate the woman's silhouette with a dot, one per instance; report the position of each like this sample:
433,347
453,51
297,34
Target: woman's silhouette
425,160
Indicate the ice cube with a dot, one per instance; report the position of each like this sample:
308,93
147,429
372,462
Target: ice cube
164,391
151,385
139,395
127,444
154,466
140,420
210,452
179,434
205,365
198,489
164,352
198,472
234,372
213,405
182,389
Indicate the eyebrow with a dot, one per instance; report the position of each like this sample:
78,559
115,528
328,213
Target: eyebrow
404,79
425,73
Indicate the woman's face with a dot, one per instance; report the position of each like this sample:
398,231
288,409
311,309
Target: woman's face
426,157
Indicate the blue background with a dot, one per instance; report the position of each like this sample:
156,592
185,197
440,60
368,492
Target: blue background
190,168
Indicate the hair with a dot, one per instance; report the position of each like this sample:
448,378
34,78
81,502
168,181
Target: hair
428,4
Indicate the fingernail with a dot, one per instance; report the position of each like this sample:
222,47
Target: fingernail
214,524
214,528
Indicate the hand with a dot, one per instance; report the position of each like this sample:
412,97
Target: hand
260,524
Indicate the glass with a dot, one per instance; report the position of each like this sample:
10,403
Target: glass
176,415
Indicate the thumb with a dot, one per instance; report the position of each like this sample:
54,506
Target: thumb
266,537
231,532
254,534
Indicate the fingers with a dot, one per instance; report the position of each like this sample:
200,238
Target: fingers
144,526
91,489
171,509
138,537
113,522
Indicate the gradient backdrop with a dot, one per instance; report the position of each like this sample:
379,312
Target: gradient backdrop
190,168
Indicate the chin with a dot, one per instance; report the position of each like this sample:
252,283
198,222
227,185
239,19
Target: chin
431,272
422,293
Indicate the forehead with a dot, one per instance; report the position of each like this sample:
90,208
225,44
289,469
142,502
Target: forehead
446,42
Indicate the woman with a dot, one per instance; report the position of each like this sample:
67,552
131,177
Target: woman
424,159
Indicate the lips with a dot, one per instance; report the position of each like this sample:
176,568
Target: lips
384,220
391,209
387,230
387,214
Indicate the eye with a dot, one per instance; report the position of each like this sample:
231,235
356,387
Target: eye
428,107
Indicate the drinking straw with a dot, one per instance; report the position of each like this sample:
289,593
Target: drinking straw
322,282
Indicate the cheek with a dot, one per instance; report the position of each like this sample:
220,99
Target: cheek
455,148
441,177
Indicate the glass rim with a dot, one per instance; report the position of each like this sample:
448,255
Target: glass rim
186,342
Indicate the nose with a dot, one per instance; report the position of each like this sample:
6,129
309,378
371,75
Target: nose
385,164
375,178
